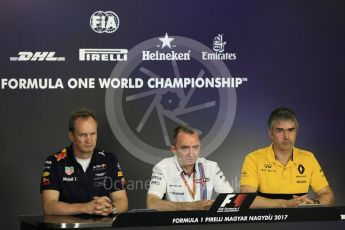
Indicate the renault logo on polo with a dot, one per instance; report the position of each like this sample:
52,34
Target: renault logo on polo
301,169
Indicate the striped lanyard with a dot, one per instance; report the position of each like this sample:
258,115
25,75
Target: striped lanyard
203,180
192,193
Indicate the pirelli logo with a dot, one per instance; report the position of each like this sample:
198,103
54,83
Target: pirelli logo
103,55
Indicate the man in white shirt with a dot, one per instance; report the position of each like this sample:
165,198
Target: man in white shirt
185,181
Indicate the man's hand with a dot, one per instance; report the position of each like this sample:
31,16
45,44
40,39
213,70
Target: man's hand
262,202
295,201
201,205
155,202
52,205
304,200
98,206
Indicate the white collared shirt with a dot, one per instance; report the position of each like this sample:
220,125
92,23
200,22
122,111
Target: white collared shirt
166,180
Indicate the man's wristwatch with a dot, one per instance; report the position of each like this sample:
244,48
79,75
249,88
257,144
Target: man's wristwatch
114,211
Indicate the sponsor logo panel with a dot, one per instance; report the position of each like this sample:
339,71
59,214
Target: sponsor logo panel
163,55
37,56
104,22
218,48
107,55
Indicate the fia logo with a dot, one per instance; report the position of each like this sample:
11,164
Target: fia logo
104,22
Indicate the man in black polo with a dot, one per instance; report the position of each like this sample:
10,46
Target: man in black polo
81,179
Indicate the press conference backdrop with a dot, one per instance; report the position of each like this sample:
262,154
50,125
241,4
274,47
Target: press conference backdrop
264,54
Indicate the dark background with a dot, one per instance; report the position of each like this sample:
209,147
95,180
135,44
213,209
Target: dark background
292,53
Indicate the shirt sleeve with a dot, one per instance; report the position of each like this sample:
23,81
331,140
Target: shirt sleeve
50,179
318,178
116,174
249,174
221,184
158,185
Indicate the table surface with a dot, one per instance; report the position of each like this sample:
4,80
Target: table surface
164,218
58,222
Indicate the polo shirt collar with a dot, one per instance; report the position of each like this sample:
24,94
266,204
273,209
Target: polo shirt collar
296,156
271,157
178,167
70,155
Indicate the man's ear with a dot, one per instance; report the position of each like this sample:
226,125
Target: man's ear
70,136
173,148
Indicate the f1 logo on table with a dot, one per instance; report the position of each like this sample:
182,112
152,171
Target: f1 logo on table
232,203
